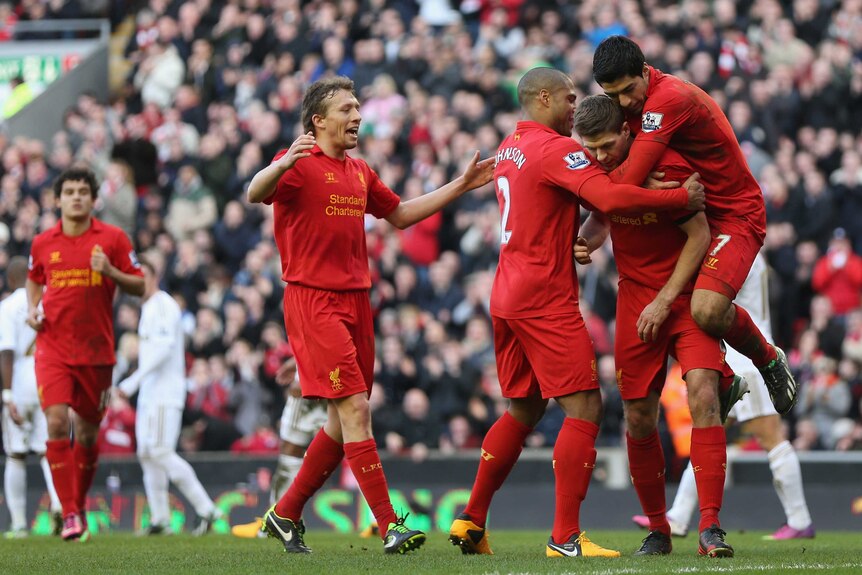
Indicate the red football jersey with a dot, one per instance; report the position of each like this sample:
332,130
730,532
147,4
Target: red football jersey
681,115
319,209
647,244
540,177
78,328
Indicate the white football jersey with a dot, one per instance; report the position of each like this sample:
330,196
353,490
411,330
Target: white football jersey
161,371
19,337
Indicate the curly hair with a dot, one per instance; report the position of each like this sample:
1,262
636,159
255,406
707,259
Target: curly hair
76,174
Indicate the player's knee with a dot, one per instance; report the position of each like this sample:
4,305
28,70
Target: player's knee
641,419
587,405
708,319
639,424
353,407
86,437
528,410
58,425
161,454
768,431
702,400
711,315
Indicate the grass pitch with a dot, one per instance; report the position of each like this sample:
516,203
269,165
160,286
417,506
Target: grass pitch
518,552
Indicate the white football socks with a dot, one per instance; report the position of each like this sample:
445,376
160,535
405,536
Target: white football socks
15,482
183,476
787,478
156,487
285,472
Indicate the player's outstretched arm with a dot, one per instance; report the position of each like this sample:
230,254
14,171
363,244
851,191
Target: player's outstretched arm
477,174
608,197
643,155
696,244
264,182
593,234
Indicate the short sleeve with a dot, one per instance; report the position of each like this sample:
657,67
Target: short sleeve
664,114
36,269
381,200
567,165
288,184
125,259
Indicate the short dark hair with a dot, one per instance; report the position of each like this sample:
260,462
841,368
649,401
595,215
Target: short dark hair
315,99
538,79
597,115
16,270
617,57
75,174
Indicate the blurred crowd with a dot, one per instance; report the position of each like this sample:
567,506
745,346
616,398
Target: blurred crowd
215,91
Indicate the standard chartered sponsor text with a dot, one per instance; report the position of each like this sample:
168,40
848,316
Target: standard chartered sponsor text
346,206
75,277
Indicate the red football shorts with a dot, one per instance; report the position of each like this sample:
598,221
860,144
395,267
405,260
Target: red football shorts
734,246
551,354
84,388
642,367
332,335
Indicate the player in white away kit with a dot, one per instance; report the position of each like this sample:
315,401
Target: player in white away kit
24,425
161,386
757,416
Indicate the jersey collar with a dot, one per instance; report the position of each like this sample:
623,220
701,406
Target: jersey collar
316,151
531,125
95,227
654,76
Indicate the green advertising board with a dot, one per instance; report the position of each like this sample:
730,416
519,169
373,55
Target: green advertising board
37,69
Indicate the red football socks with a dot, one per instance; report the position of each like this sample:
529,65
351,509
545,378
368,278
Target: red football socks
574,461
321,458
58,452
647,467
365,463
500,450
709,461
86,463
744,336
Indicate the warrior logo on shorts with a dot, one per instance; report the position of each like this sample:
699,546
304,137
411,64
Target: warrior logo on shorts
335,378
